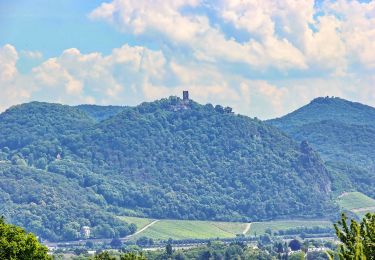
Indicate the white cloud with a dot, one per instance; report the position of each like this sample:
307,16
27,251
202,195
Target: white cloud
307,52
77,77
195,31
35,55
8,60
357,29
285,34
14,88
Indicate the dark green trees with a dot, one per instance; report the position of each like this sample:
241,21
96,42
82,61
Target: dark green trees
343,132
16,244
161,159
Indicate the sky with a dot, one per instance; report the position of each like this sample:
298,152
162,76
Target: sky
263,58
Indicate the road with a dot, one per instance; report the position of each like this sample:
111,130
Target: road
142,229
248,226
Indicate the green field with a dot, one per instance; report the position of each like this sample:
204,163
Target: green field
355,200
186,229
259,228
190,229
139,222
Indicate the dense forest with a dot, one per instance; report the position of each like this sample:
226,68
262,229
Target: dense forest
66,167
343,133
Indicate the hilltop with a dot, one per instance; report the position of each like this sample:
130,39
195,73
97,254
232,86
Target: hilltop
170,158
343,133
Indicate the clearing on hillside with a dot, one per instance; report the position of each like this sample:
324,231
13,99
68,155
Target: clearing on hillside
139,222
186,229
356,202
193,229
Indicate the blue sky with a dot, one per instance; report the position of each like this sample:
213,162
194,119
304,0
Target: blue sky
263,58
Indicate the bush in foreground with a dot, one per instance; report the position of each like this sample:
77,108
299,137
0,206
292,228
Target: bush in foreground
15,243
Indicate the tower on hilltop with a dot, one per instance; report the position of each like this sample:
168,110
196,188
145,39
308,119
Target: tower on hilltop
185,95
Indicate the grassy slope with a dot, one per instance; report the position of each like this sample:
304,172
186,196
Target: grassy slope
140,222
186,229
259,228
176,229
355,200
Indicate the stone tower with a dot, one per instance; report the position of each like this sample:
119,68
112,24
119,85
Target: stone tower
185,95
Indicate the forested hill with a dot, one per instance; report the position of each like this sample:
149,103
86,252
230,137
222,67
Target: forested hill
100,113
344,134
165,159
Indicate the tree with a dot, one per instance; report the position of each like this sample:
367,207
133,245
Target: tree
80,251
116,243
132,256
206,255
295,245
358,239
15,243
41,163
104,256
89,244
297,256
142,241
128,256
169,249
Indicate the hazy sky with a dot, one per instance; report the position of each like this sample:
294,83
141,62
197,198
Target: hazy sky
263,58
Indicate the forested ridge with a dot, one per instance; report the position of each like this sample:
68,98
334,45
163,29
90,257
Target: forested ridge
66,167
343,133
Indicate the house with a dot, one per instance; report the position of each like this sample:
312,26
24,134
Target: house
85,232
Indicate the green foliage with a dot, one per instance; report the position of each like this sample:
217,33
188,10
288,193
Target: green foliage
343,132
15,244
215,250
260,228
100,113
53,206
295,244
183,160
355,200
185,229
128,256
163,159
358,239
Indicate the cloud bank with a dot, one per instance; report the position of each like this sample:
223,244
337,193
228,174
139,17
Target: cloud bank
263,58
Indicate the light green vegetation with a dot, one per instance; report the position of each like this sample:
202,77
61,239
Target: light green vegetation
355,200
191,229
232,227
139,222
259,228
186,229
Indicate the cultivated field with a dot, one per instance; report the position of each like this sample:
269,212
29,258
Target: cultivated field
190,229
140,222
186,229
356,202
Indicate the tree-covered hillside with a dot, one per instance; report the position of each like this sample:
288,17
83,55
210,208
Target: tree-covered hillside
165,159
343,132
100,113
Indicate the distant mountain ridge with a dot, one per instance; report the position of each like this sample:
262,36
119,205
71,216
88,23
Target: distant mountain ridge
343,132
170,158
330,108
